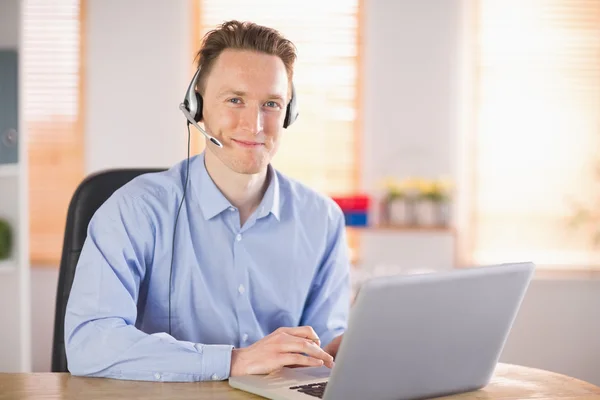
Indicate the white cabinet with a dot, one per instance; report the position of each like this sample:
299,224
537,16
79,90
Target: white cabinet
391,250
386,251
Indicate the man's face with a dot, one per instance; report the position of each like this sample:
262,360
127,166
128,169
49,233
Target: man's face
244,108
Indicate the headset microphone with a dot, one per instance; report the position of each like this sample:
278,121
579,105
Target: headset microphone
187,114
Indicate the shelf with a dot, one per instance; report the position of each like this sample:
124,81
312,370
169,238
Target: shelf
8,170
401,229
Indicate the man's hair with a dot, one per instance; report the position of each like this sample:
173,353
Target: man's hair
243,36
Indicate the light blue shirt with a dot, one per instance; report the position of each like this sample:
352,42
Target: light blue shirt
232,285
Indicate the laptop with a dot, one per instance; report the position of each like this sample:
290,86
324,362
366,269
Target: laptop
411,337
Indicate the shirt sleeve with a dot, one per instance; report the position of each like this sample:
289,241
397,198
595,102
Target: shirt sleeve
328,303
101,339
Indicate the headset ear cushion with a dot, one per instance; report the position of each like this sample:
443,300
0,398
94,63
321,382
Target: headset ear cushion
198,116
291,112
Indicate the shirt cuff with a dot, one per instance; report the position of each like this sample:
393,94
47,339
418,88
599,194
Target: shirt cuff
216,361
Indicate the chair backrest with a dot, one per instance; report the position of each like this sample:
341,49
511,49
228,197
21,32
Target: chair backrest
89,196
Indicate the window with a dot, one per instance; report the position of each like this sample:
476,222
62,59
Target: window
51,56
320,148
537,131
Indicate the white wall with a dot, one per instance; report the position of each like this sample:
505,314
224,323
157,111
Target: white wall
410,88
138,65
411,127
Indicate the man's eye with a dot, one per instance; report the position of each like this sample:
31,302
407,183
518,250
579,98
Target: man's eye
272,104
235,100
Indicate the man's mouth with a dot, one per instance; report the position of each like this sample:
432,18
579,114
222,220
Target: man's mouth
247,143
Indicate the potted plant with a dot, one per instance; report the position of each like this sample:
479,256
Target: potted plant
398,202
5,239
434,201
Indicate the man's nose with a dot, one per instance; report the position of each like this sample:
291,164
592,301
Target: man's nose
252,119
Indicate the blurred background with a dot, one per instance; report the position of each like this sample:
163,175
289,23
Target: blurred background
453,133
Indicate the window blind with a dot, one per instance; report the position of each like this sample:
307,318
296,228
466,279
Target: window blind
51,56
537,131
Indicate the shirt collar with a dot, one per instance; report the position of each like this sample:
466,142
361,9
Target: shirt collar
213,202
271,202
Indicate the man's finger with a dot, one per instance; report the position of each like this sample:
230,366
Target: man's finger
304,332
299,360
304,346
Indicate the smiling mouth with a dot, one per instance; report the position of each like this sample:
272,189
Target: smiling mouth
249,144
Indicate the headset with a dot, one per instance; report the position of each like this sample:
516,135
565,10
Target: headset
192,109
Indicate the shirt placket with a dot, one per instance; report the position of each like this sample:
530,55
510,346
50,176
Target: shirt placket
242,295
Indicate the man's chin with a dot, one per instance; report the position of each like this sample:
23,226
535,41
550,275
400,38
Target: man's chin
249,171
249,168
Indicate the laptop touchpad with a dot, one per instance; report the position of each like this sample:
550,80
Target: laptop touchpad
315,372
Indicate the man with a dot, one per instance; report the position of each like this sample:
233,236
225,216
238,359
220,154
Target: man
260,272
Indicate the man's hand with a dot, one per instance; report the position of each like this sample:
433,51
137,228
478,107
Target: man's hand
333,346
285,347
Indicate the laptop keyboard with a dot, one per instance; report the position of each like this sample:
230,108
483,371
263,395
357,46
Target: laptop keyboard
312,389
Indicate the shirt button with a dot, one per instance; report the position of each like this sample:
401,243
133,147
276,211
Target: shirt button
238,237
241,289
157,376
231,209
245,337
214,377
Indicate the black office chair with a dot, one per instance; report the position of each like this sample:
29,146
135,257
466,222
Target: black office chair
89,196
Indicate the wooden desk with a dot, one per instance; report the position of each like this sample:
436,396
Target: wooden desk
510,382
